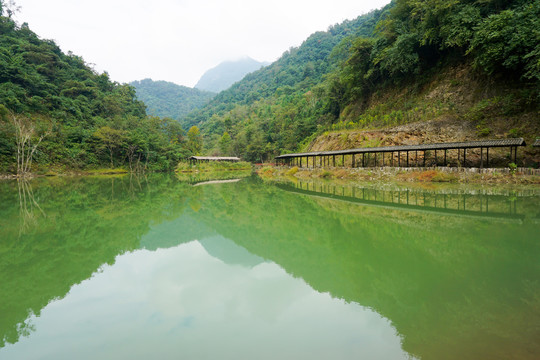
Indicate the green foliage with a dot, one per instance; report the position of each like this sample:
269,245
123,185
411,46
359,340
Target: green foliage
509,41
194,142
331,82
96,122
225,144
274,108
513,168
292,171
166,99
326,174
314,88
482,130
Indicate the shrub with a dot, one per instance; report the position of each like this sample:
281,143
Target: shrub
267,171
292,171
513,168
444,177
326,174
427,175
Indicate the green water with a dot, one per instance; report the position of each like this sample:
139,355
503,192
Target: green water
155,267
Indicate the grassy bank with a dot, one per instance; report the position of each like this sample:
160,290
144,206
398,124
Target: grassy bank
69,172
388,174
211,166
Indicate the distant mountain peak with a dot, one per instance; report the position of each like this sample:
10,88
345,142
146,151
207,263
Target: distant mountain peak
227,73
167,99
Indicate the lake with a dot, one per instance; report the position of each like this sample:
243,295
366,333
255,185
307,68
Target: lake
142,267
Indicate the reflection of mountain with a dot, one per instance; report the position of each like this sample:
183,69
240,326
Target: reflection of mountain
87,223
453,287
173,233
187,228
228,252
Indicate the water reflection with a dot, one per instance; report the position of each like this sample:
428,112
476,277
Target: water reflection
446,201
451,286
184,302
29,209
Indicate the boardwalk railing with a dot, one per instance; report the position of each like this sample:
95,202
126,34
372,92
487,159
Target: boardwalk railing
386,155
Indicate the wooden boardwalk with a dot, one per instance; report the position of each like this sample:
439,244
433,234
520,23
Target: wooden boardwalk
407,155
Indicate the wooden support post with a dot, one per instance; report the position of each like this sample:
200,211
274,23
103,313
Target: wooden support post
424,158
353,160
382,159
363,159
416,160
444,157
343,160
392,159
399,158
300,158
487,157
407,158
435,157
375,159
334,160
515,155
464,157
481,157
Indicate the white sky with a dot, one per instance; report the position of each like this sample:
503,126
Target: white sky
178,40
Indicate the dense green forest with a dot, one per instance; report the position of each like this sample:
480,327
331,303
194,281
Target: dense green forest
82,119
79,118
312,89
166,99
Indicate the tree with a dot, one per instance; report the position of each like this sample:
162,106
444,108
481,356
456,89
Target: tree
194,141
28,135
110,139
225,144
9,8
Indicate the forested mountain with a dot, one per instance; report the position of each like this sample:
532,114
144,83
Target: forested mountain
367,72
227,73
167,99
377,70
78,117
277,106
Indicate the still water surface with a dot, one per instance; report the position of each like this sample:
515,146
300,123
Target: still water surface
135,268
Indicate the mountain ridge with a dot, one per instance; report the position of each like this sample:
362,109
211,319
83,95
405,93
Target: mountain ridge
167,99
225,74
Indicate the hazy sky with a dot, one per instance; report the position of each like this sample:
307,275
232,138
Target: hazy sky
178,40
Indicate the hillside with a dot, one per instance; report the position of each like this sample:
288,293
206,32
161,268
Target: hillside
456,104
166,99
227,73
55,107
268,110
473,62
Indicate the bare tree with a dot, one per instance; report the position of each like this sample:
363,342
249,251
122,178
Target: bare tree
9,8
27,140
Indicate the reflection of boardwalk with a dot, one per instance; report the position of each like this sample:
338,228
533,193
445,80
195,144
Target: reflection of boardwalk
216,182
478,205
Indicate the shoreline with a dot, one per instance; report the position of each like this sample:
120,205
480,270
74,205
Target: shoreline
523,176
